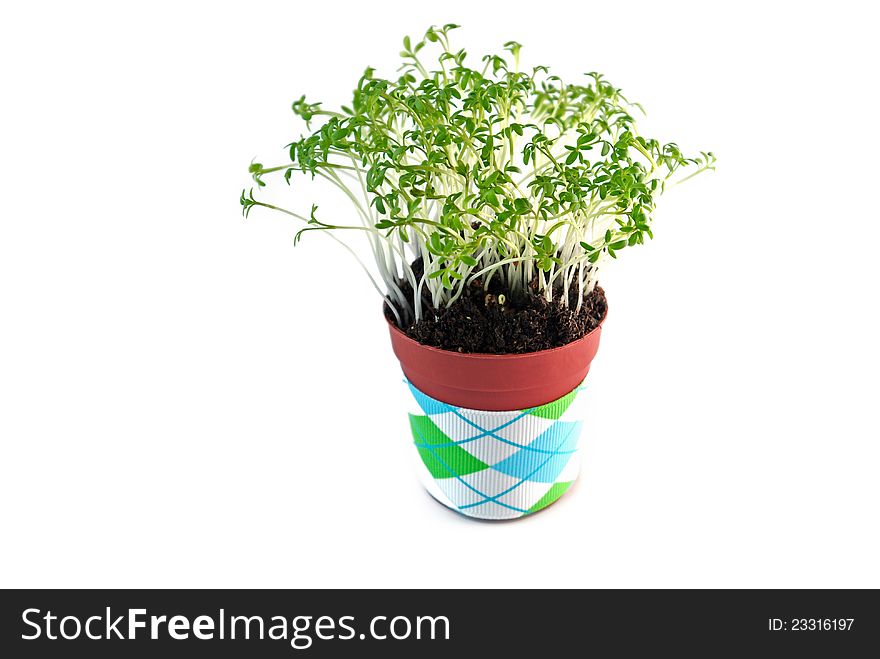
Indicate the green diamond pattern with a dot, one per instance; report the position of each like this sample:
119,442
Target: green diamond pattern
552,495
441,456
555,409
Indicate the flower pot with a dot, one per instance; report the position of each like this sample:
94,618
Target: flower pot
497,435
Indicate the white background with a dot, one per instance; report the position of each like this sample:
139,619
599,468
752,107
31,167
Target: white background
188,400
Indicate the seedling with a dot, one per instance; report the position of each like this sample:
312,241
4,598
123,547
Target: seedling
482,172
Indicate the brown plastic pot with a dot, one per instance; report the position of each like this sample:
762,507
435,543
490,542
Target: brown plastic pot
495,382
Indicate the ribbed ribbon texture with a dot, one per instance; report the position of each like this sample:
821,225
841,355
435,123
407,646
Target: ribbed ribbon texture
497,465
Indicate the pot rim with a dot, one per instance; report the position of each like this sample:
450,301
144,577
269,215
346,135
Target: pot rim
490,355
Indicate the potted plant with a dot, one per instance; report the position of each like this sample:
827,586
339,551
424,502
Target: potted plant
490,199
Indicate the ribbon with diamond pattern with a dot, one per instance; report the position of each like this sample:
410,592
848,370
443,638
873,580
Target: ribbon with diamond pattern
497,465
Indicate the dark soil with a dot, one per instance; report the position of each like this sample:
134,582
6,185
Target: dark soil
476,322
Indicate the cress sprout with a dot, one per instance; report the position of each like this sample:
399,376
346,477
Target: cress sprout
482,172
